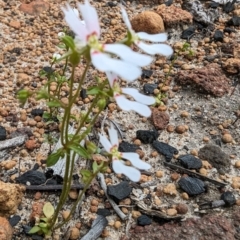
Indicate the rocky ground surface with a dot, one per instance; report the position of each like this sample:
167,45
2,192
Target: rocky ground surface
198,117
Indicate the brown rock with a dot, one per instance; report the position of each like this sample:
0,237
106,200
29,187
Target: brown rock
75,233
232,65
160,119
10,197
209,79
30,144
15,24
182,208
35,7
227,138
180,129
6,230
149,22
37,211
172,15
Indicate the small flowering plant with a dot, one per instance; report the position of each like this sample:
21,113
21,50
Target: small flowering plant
118,61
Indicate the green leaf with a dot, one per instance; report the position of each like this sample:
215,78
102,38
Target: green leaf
44,220
23,95
42,225
46,115
93,91
81,151
34,229
48,210
53,158
68,42
42,94
54,104
95,167
86,174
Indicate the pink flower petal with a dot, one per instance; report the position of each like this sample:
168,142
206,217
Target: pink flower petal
132,173
128,105
75,23
111,78
135,160
105,63
90,17
125,18
126,53
160,37
112,132
105,142
152,49
147,100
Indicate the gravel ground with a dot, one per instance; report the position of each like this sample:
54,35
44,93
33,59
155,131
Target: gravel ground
196,118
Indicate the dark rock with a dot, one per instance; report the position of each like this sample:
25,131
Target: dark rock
166,150
213,4
229,6
218,36
209,79
20,132
148,88
49,173
190,162
34,177
51,182
127,147
37,112
48,69
3,133
188,33
37,237
215,156
160,119
14,220
146,73
147,136
235,21
26,229
83,93
103,212
192,186
182,208
228,198
112,4
144,220
119,191
169,3
16,50
58,178
34,84
229,30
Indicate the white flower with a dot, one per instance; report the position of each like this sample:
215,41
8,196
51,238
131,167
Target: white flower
152,49
140,106
61,34
56,56
118,165
128,66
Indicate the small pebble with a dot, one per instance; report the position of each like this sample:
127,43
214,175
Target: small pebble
159,174
94,202
184,114
170,189
65,214
74,233
180,129
37,195
136,214
237,164
73,194
185,196
171,212
175,176
170,128
203,171
227,138
182,208
117,224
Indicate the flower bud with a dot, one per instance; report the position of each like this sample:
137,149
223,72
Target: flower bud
91,147
74,58
102,103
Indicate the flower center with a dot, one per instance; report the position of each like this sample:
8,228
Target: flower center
93,42
115,153
116,87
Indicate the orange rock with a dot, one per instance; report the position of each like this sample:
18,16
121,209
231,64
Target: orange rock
15,24
6,230
37,211
30,144
35,7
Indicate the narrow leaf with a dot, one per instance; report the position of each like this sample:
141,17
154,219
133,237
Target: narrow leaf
53,158
34,229
81,151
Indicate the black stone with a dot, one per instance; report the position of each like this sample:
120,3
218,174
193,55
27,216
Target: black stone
16,50
165,149
49,173
34,177
119,191
213,4
34,84
83,93
218,36
192,186
3,133
48,69
169,3
58,178
229,30
228,198
147,136
215,156
148,88
146,73
51,182
35,167
144,220
229,6
37,237
190,162
112,4
127,147
26,229
14,220
188,33
235,21
37,112
103,212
